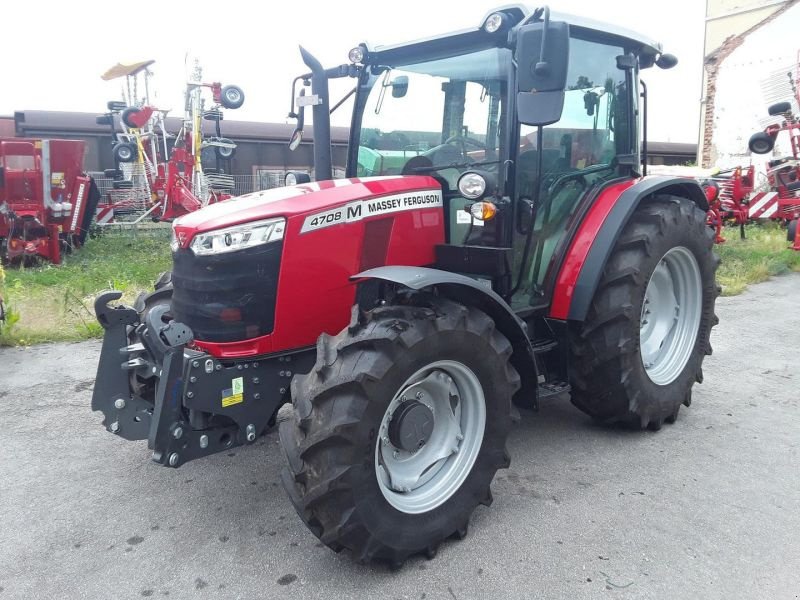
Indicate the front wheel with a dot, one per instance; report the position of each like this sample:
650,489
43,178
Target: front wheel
641,347
396,434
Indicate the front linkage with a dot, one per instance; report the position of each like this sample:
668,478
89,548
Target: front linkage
186,403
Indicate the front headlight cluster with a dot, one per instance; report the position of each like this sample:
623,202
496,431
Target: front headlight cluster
238,237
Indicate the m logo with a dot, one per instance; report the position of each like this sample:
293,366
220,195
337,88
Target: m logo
354,212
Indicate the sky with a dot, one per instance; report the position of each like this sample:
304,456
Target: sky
54,59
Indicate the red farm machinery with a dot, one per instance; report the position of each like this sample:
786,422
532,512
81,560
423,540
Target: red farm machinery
47,202
495,243
740,199
161,174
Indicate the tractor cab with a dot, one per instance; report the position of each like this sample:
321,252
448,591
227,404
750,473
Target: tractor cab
520,121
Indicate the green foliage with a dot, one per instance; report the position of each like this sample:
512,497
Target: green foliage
55,303
763,254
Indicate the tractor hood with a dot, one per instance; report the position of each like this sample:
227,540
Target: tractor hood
315,205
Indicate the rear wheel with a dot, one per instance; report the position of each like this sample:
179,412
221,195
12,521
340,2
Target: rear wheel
641,347
395,435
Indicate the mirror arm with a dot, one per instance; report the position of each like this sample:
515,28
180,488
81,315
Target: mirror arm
542,67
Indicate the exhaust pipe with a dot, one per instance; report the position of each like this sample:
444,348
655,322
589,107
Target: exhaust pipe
322,121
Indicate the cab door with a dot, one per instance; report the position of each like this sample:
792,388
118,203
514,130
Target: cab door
560,166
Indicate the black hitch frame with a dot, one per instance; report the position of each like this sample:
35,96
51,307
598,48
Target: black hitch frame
200,405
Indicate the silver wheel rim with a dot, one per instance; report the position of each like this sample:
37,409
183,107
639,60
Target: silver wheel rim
419,481
670,319
233,96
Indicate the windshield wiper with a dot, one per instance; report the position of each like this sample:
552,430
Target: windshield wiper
456,165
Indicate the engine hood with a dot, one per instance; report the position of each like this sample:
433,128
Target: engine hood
296,201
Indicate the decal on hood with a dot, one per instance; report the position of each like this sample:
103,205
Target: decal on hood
361,209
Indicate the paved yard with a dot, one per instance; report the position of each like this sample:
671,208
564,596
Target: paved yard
706,508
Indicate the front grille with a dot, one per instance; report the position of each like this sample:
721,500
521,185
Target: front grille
227,297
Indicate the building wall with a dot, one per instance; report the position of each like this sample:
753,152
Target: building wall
732,17
744,81
728,24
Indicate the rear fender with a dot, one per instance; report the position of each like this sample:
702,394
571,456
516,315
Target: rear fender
470,292
591,246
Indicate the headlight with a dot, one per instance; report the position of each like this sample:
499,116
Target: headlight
472,185
238,237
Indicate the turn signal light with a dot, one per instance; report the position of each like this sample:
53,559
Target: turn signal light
483,211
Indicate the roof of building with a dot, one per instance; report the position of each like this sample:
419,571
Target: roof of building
47,121
676,148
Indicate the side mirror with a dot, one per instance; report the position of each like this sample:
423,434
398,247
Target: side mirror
399,86
542,57
666,61
297,134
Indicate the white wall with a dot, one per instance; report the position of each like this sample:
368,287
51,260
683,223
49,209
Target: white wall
746,86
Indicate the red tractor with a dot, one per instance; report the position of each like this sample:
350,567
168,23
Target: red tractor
46,200
494,243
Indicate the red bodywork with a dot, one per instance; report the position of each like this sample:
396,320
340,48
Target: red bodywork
580,246
314,290
38,211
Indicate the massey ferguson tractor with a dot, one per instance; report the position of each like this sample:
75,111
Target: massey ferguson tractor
493,244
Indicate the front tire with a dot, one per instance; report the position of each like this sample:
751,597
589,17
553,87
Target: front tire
351,474
641,347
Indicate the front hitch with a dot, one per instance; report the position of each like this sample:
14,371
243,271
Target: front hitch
184,402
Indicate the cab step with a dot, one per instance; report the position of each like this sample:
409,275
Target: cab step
553,388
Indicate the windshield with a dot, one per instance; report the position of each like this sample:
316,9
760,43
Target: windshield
441,115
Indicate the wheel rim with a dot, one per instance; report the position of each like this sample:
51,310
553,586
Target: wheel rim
233,96
418,481
125,153
670,317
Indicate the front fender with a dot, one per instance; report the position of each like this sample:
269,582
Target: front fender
469,291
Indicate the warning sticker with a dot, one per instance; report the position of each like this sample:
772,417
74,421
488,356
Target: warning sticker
231,399
234,394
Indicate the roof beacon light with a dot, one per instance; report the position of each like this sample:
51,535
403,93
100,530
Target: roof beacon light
494,22
356,55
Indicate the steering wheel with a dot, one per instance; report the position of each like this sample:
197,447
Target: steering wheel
463,141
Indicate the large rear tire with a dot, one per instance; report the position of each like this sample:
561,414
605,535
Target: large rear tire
439,374
641,347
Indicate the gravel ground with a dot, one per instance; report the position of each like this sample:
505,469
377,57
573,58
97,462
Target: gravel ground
706,508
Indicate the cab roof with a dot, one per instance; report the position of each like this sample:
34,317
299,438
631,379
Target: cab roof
520,12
